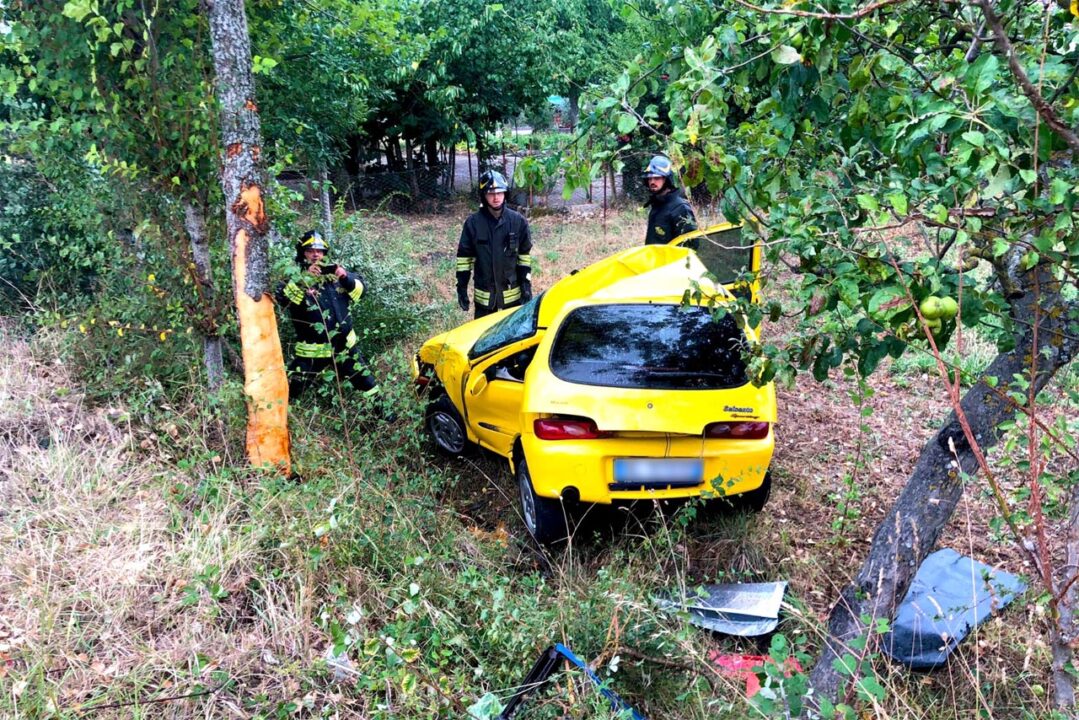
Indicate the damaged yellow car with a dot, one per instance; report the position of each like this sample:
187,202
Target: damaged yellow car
609,387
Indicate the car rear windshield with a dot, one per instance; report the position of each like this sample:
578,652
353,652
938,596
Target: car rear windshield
649,346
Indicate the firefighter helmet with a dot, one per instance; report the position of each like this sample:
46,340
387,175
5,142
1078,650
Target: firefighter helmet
492,181
660,166
311,240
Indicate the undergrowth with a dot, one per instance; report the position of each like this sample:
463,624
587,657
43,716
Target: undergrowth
147,573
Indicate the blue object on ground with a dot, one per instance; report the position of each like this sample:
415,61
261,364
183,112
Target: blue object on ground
949,596
543,669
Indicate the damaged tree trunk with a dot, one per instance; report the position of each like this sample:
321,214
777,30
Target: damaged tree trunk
241,178
325,201
910,529
195,225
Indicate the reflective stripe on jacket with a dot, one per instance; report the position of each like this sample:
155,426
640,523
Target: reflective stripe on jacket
322,320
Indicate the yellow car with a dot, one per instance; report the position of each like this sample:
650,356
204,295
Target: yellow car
609,387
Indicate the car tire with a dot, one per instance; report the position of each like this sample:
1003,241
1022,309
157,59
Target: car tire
544,518
755,500
446,427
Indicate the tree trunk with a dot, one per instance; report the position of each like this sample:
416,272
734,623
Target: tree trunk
195,224
410,166
325,201
910,529
573,110
241,178
1062,633
430,149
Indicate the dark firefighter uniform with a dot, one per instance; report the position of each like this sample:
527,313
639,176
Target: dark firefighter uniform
319,309
669,215
498,251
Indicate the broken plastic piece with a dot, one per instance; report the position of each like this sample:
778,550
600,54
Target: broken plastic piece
949,596
741,666
743,609
548,661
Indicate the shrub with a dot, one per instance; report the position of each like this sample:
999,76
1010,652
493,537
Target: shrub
386,312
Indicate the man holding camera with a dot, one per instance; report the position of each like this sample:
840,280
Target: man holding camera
318,305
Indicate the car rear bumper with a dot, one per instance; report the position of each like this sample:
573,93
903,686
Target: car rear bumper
586,467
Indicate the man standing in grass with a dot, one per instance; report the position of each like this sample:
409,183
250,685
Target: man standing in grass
496,244
669,213
318,305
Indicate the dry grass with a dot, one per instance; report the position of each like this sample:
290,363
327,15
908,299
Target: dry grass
96,603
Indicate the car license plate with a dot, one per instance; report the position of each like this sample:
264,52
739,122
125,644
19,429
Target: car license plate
682,471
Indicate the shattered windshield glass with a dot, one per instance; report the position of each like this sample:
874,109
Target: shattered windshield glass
510,329
664,347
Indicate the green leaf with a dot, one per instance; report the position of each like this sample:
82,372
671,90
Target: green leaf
1058,190
77,10
898,202
975,138
626,123
887,301
786,55
868,202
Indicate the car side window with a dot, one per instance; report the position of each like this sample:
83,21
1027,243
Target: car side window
726,253
512,368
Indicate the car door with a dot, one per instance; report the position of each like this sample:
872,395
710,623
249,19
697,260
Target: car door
728,252
493,393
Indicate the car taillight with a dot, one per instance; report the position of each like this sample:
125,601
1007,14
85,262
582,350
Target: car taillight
737,430
566,429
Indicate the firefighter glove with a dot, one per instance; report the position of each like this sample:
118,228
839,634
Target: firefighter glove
462,298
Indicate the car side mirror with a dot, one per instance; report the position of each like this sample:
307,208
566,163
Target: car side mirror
479,385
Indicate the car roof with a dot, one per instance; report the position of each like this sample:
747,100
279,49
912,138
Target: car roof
646,272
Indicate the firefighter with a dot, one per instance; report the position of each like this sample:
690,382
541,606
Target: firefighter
318,305
669,213
496,245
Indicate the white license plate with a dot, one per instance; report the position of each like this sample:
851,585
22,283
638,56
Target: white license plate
648,470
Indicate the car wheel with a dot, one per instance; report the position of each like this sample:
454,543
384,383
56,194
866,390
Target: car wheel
544,518
755,500
446,427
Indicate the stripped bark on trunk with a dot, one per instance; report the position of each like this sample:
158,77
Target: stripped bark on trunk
265,384
912,526
195,225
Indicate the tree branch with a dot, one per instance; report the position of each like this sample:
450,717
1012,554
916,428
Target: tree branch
867,10
1043,108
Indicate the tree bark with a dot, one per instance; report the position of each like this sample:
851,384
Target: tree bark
910,529
195,225
1063,632
410,167
325,201
265,384
573,109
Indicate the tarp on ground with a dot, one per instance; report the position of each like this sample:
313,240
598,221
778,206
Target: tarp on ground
949,596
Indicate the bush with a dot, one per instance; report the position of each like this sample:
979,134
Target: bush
386,312
51,244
